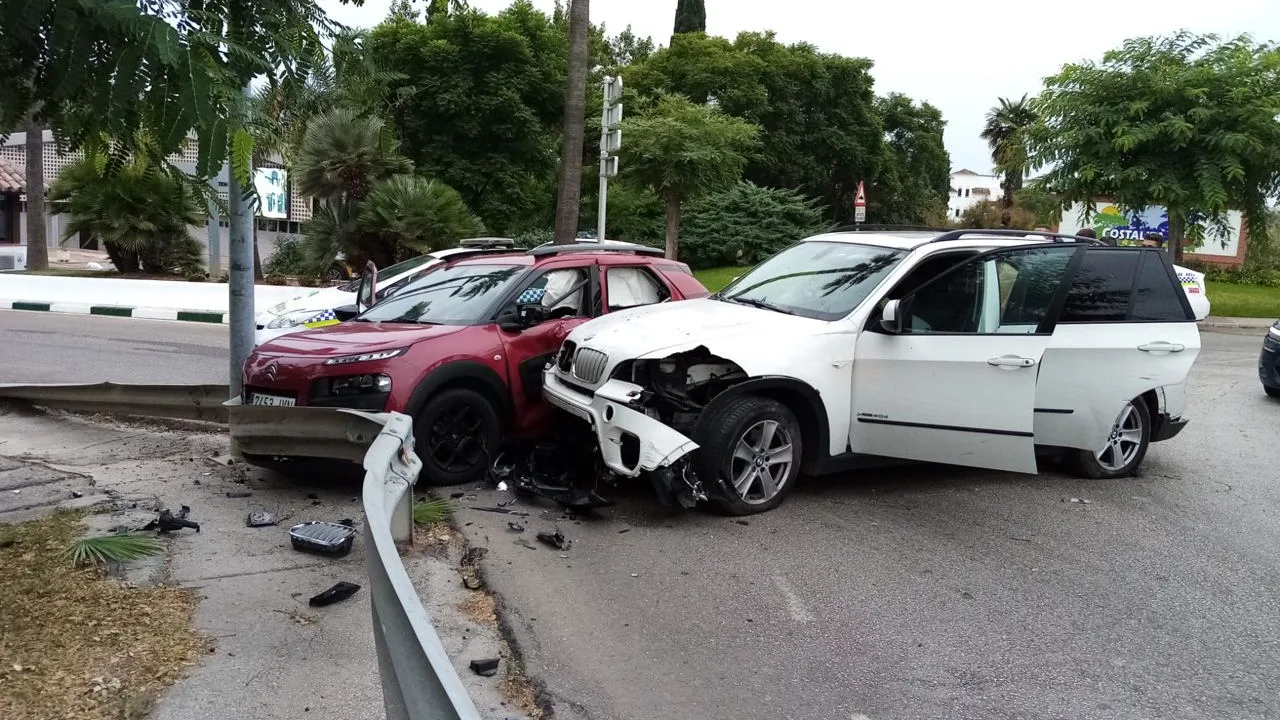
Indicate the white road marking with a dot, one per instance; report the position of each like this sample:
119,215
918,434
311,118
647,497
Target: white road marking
795,607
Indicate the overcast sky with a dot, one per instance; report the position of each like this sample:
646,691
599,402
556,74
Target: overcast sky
958,55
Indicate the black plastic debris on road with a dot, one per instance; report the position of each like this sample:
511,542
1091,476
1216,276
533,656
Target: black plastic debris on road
322,537
239,494
337,593
515,526
171,522
555,540
488,667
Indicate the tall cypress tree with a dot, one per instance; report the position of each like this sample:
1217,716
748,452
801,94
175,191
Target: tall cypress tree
691,16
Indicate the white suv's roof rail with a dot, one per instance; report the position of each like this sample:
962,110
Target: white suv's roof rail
954,235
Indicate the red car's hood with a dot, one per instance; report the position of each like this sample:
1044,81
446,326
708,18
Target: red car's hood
352,338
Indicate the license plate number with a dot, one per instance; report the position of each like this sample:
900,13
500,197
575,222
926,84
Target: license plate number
276,400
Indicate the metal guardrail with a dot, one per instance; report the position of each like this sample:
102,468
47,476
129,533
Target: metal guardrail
181,402
418,679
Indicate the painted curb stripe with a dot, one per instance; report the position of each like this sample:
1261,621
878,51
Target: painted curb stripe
207,317
112,310
20,305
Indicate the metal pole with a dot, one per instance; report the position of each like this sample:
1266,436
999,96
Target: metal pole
604,163
241,276
215,238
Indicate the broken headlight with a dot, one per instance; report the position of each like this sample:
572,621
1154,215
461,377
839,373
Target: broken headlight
359,385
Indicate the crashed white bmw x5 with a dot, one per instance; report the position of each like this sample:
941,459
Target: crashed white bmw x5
972,348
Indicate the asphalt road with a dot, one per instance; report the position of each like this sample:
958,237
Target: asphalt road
43,347
930,593
926,593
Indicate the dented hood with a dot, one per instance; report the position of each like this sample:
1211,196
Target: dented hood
653,329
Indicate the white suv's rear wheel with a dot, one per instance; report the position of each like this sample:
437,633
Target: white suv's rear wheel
753,445
1126,445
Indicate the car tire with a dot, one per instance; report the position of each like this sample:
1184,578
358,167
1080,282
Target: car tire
1126,445
1273,392
755,426
337,273
455,434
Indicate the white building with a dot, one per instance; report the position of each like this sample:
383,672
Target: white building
968,188
271,223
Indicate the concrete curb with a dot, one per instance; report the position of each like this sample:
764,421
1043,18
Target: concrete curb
1237,323
123,311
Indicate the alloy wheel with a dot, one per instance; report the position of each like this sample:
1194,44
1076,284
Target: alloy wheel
1124,442
761,463
456,441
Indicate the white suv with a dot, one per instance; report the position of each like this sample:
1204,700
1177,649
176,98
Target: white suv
970,348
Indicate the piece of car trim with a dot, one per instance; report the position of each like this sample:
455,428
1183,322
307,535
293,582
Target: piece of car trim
955,428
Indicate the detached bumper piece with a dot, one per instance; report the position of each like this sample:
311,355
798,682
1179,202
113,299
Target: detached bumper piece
630,441
1168,428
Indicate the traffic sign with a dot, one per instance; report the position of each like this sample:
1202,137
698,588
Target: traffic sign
860,204
860,214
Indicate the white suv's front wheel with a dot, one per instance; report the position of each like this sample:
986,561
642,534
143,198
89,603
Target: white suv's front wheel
752,448
1126,445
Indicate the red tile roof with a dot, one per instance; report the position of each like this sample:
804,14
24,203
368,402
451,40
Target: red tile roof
12,180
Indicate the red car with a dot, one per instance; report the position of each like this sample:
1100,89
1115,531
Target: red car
462,348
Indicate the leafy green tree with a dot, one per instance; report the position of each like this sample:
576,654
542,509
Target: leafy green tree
682,151
915,175
139,210
627,48
744,224
820,132
1006,132
489,116
988,214
568,202
414,215
691,16
1187,122
1041,202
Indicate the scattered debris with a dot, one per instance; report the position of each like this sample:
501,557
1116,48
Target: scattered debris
316,502
487,667
169,522
239,494
337,593
323,537
515,526
17,492
77,494
1081,501
624,531
224,460
524,542
502,486
742,522
312,496
555,540
567,471
457,496
261,518
635,574
499,510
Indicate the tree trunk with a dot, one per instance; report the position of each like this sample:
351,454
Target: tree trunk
575,101
1177,233
37,242
673,227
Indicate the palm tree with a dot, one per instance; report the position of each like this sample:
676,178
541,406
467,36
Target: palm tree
37,243
575,109
1006,134
343,154
411,215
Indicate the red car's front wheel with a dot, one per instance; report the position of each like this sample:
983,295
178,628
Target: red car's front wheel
456,433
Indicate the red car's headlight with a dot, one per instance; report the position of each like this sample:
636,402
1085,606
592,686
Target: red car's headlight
365,357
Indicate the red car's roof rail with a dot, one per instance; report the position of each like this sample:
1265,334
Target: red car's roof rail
547,250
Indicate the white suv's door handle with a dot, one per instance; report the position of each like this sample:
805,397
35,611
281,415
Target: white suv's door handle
1162,347
1011,362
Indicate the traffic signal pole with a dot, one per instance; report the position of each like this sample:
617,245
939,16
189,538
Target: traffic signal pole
610,142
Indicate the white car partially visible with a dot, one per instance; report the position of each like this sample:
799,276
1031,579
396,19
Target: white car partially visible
1193,285
318,308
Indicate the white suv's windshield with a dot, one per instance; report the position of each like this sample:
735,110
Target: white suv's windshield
820,280
458,295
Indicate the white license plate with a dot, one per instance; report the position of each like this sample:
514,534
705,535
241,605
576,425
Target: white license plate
260,399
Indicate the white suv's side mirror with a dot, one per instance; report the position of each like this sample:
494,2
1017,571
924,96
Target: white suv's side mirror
891,317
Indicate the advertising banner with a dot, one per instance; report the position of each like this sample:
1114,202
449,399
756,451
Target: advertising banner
1129,227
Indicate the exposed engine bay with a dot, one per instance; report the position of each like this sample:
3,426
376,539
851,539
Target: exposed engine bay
680,386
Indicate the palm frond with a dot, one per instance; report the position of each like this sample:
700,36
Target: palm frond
108,549
429,512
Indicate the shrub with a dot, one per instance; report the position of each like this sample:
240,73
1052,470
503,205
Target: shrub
1265,277
986,214
745,224
288,258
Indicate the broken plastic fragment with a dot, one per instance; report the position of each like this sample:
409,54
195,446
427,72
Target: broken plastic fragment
241,494
169,522
261,518
488,667
555,540
502,486
337,593
518,527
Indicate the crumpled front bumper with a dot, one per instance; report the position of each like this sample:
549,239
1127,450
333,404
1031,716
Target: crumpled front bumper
630,441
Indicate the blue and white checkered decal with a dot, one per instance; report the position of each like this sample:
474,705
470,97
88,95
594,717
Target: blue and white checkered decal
531,296
323,316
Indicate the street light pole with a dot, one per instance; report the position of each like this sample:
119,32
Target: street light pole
240,281
610,142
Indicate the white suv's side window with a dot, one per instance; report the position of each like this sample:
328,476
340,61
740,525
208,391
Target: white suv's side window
632,287
1003,293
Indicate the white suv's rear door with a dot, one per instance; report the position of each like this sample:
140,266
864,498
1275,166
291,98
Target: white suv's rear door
1126,328
958,385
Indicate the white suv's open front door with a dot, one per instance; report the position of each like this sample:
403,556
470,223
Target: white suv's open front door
957,383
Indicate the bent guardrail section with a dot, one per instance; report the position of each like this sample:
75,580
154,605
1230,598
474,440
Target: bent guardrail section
299,432
179,402
418,679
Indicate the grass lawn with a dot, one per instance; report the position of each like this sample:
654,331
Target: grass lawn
716,278
1252,301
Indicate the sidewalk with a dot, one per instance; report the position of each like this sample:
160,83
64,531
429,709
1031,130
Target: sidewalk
1235,323
152,299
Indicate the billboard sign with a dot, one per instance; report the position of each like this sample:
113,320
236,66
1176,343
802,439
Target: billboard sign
1128,227
272,186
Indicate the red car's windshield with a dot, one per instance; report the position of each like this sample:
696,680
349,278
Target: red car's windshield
458,295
